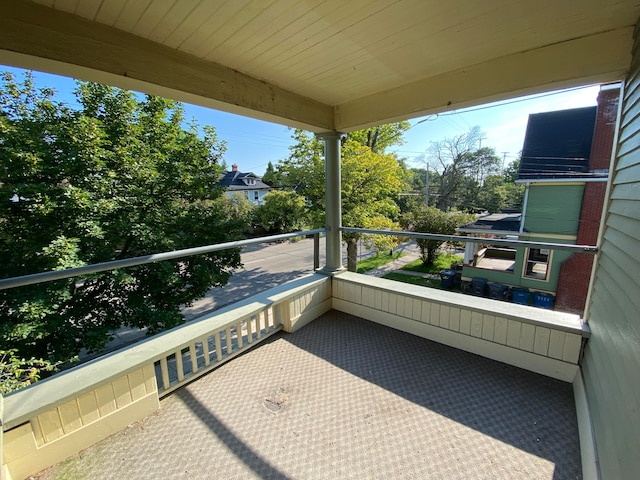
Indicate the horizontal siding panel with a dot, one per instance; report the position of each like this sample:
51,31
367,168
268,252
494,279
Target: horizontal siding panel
612,286
619,248
630,226
625,192
629,140
630,174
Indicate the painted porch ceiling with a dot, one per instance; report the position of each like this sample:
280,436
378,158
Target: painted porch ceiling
325,65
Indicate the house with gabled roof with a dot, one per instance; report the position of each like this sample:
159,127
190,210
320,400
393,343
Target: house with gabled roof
564,168
248,184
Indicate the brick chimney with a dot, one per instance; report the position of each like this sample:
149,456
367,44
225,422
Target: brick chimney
575,272
234,167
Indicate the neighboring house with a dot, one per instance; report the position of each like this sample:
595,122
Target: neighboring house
564,167
248,184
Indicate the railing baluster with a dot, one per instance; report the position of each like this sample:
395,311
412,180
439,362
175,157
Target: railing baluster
194,358
205,351
164,368
216,337
259,325
249,330
239,334
229,340
179,365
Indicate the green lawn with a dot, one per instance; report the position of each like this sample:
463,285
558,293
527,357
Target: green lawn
443,262
424,282
375,262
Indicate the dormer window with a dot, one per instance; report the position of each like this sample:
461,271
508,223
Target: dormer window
249,181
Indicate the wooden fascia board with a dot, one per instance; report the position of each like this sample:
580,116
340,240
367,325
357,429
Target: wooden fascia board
41,38
604,57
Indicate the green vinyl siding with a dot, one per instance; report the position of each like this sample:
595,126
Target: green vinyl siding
554,209
611,364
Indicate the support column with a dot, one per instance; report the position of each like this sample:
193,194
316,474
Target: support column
333,219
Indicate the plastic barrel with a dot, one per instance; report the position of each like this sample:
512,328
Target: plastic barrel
543,300
520,296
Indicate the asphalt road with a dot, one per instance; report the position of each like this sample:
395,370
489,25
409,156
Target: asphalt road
264,266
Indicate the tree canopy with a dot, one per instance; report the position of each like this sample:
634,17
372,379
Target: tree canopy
119,177
371,179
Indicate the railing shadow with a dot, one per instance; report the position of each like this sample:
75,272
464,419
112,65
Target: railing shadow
531,412
235,445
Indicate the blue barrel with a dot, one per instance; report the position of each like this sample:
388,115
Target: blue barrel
498,291
520,296
543,300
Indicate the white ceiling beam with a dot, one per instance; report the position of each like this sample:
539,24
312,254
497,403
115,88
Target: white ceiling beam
40,38
603,57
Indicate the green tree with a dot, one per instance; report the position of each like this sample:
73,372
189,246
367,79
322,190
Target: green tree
117,178
433,220
371,182
461,169
283,211
240,208
269,176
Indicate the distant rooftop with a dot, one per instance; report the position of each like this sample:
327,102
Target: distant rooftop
557,145
495,222
236,180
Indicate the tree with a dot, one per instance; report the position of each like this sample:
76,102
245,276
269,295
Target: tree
239,207
433,220
269,176
459,163
283,211
117,178
371,182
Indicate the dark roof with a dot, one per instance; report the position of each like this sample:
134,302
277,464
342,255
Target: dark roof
233,180
558,144
495,222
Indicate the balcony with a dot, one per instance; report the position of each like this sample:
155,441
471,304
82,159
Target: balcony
334,376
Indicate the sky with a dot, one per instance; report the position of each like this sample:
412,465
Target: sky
252,144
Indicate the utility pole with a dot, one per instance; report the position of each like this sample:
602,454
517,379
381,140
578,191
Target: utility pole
504,159
426,187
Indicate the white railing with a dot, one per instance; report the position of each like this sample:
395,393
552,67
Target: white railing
56,417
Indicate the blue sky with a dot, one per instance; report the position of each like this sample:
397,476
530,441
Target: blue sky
253,143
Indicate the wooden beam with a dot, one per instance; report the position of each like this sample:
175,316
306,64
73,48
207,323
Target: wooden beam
599,58
41,38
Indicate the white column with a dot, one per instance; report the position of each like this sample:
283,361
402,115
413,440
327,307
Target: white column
333,219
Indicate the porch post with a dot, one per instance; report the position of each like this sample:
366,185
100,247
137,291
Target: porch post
333,220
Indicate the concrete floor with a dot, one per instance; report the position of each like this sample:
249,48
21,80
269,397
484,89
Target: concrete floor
345,398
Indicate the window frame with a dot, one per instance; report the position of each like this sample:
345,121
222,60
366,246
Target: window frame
531,275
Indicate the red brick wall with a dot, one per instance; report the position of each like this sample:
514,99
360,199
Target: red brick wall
575,272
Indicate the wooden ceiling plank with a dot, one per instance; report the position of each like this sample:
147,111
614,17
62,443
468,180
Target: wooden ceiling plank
110,11
173,20
198,18
238,22
131,14
597,58
88,8
37,37
203,39
152,16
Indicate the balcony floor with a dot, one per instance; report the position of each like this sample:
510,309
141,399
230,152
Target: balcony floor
346,398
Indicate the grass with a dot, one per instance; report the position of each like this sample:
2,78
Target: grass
424,282
375,262
442,262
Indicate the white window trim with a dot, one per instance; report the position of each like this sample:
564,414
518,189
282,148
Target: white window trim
526,260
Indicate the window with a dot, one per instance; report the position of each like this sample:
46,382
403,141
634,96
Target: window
256,195
246,194
537,263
